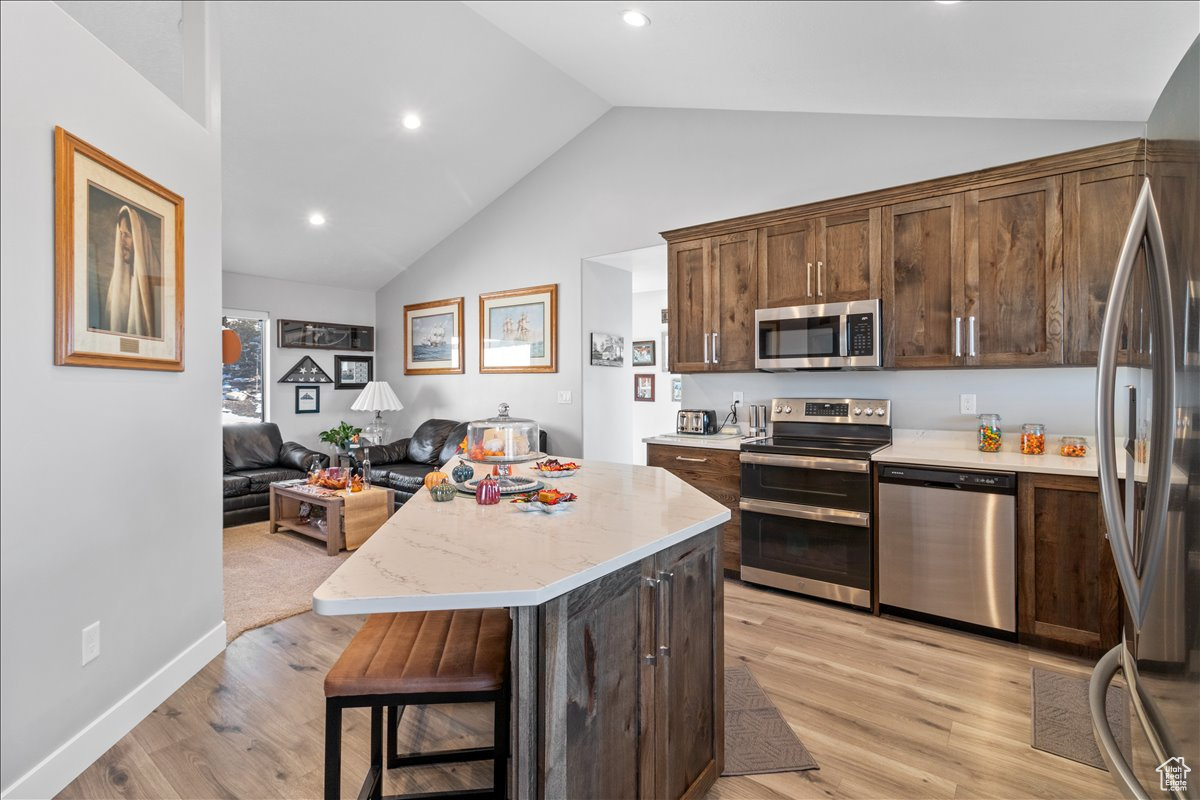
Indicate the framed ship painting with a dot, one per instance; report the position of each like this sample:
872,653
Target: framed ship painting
118,289
518,330
433,338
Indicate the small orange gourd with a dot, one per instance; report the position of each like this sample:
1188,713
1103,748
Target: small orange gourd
434,478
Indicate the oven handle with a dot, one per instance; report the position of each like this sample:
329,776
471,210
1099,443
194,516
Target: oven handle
806,462
837,516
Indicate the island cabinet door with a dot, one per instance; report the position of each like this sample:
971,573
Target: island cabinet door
598,667
689,680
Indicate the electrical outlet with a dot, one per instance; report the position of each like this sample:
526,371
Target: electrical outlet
91,642
737,397
564,397
966,404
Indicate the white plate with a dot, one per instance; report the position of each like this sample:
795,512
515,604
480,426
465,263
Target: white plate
536,506
559,473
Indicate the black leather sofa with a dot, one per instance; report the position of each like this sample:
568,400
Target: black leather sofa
403,464
255,457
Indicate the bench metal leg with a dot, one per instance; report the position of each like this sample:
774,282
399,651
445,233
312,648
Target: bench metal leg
333,750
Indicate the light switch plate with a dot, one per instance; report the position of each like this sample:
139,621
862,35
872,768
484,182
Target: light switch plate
564,397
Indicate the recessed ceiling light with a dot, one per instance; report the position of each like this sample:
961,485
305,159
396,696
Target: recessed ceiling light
411,121
635,18
316,218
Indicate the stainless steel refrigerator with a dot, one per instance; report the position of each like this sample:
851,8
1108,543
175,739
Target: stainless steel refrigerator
1148,422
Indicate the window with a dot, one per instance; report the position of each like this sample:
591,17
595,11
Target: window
243,383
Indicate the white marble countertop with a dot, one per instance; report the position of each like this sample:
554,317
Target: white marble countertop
460,554
719,441
960,449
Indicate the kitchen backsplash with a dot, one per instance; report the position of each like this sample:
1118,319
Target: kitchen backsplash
1064,400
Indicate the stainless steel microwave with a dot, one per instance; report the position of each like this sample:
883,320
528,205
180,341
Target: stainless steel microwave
825,336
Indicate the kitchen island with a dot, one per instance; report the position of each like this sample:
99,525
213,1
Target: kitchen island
617,606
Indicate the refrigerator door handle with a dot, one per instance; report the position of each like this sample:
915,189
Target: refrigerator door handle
1138,575
1114,759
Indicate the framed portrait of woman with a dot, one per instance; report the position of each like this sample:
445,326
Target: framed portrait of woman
118,295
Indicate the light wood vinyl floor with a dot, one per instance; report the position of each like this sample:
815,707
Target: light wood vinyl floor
889,709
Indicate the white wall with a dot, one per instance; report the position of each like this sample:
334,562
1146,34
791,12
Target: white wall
111,504
651,419
638,171
607,398
306,301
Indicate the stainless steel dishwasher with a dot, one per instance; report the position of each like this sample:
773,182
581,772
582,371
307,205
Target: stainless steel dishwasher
947,544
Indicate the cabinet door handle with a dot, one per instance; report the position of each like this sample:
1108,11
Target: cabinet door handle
716,340
958,337
820,273
706,361
652,656
808,291
971,337
668,608
696,460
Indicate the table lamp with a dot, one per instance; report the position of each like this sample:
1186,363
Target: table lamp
377,396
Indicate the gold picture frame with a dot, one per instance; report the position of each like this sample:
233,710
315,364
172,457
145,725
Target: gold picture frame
433,338
118,251
518,330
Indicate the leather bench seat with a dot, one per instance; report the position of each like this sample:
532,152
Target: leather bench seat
419,652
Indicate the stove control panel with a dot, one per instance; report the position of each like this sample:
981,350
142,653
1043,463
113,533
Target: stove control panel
844,410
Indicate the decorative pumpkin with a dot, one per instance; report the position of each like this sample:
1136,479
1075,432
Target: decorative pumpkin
487,491
443,492
434,478
463,472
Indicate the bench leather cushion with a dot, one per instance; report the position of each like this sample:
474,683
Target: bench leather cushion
424,651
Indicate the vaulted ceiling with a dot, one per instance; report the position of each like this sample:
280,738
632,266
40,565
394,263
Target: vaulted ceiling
313,94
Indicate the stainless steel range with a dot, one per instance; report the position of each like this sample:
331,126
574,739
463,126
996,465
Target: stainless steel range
806,497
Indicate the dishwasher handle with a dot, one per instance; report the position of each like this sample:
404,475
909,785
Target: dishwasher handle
961,480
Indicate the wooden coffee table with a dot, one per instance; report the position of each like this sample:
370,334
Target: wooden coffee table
285,503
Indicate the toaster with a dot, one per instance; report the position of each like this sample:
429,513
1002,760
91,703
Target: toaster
697,422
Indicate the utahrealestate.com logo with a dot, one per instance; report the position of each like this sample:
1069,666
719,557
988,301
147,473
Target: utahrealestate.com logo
1172,775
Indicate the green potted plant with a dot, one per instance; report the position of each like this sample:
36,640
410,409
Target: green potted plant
341,435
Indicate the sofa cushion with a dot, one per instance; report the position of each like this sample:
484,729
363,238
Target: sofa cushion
255,500
426,443
236,485
297,456
453,440
387,453
251,445
261,479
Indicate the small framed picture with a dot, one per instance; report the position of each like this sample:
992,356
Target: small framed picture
665,316
352,372
518,330
608,350
308,399
433,338
643,388
677,389
643,353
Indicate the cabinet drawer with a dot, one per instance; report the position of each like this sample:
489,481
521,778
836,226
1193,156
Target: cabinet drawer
696,461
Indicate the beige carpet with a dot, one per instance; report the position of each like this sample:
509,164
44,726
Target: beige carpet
271,576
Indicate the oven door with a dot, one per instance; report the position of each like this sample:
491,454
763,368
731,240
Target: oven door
815,551
787,338
839,483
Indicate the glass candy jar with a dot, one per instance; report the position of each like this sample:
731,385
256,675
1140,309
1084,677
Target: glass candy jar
1033,439
989,433
503,438
1073,446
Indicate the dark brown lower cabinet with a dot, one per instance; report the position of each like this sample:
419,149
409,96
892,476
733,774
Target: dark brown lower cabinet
638,658
717,473
1068,597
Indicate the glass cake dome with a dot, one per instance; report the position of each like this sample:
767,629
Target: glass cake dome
503,439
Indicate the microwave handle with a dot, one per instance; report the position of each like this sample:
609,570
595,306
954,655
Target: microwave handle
845,337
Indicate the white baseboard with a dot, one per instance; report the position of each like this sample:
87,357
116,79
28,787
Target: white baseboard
79,752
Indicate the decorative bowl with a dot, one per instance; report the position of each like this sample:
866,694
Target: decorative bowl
542,507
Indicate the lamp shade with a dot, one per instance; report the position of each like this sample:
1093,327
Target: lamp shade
231,346
377,396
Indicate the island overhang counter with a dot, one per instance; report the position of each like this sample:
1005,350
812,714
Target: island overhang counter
617,606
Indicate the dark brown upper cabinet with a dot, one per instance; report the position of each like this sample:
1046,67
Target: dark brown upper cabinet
1097,204
830,259
923,255
1014,278
712,289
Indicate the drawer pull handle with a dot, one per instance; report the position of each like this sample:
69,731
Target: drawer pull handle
696,460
